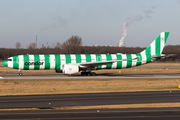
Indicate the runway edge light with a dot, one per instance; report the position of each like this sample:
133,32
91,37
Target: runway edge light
178,86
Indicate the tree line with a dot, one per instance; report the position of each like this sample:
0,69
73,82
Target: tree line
76,49
73,45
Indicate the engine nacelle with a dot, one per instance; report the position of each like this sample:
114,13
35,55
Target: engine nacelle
70,69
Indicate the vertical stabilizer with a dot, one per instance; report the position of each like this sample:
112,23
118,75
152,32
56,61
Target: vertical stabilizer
154,49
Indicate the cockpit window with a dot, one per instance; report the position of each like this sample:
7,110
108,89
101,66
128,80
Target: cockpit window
9,59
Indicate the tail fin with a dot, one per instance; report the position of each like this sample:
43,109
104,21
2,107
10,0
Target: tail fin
155,48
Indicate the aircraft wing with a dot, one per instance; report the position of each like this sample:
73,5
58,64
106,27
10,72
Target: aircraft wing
95,64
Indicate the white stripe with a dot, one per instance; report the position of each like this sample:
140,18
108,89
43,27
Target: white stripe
63,61
41,57
1,77
93,57
103,58
162,39
134,61
114,65
73,58
10,63
52,62
31,59
21,62
83,58
153,52
143,55
124,63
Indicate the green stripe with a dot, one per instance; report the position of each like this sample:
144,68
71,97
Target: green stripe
47,61
139,59
98,58
15,62
88,58
78,58
148,54
109,58
68,58
129,62
26,61
119,63
166,36
57,62
36,61
158,46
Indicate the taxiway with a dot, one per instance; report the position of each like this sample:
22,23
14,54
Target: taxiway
42,101
98,76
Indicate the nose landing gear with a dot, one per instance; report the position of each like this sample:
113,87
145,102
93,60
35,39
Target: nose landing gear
20,74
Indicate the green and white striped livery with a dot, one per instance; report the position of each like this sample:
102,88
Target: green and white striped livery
73,63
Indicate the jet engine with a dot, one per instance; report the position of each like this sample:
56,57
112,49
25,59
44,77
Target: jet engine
70,69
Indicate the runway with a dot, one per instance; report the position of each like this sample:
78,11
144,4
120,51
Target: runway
47,102
98,76
42,102
112,114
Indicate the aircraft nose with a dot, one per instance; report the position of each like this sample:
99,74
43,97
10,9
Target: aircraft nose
5,63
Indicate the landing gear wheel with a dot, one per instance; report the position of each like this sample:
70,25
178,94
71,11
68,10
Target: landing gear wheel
83,73
88,73
93,74
20,74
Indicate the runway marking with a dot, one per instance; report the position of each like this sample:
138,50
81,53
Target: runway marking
1,77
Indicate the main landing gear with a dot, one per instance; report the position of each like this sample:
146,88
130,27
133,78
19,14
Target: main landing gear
20,74
88,73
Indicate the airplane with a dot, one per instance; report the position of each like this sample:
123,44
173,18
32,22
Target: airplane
74,63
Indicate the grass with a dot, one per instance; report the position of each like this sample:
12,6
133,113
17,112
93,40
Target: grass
69,86
60,86
122,106
33,87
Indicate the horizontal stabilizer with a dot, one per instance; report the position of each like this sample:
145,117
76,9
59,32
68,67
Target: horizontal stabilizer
163,56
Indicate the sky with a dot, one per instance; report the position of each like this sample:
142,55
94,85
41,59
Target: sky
97,22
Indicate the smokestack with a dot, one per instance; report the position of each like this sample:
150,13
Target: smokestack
46,45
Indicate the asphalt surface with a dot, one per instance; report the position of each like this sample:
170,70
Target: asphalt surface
112,114
42,102
98,76
46,102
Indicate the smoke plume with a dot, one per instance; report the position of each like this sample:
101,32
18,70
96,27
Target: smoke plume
59,22
125,30
131,19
